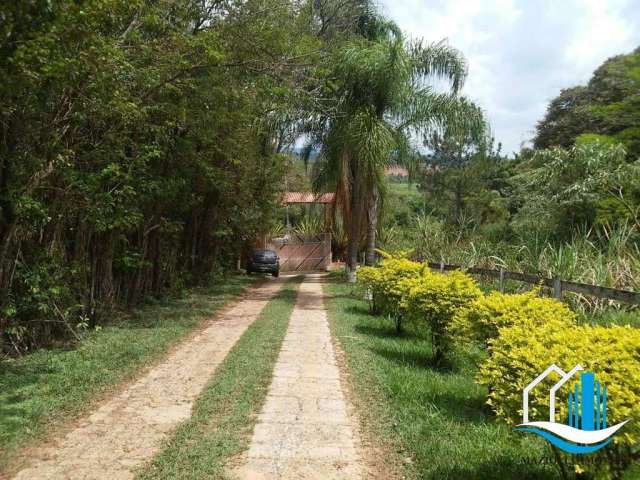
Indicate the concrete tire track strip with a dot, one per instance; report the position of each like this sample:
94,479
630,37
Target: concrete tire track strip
127,430
304,430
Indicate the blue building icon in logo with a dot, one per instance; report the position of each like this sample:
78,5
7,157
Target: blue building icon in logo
582,404
586,429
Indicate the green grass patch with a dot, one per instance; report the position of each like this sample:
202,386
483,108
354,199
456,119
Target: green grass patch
404,200
611,317
403,189
42,389
436,417
225,413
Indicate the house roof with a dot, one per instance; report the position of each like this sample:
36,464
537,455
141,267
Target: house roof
308,197
396,171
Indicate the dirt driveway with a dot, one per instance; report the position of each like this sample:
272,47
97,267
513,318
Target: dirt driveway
129,429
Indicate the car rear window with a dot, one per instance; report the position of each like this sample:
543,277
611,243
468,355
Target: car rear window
264,255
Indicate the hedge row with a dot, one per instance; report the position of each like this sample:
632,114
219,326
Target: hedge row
522,334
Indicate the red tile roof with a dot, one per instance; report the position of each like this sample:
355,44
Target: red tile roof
308,197
396,171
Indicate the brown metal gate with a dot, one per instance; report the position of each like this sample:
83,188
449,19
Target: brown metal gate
302,253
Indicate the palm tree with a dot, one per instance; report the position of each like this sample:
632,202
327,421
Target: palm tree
383,97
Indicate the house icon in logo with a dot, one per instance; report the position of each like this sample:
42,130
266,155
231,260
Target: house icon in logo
586,429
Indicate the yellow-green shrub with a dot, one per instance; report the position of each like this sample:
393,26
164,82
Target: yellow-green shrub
480,321
434,298
383,280
369,279
521,352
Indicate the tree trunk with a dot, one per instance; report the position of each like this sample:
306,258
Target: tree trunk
372,227
354,232
457,213
102,284
352,261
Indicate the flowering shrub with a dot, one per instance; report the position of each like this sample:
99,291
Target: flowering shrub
434,298
524,334
521,352
480,320
383,282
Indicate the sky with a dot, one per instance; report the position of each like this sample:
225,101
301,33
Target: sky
522,52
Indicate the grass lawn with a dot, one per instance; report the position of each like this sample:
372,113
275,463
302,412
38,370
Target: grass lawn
612,317
225,413
41,390
404,188
404,196
437,418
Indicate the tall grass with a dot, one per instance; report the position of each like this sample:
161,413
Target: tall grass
608,257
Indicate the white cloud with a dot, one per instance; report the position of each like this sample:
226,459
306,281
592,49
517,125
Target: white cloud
522,52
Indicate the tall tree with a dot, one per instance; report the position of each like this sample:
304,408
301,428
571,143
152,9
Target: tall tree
567,117
462,171
384,99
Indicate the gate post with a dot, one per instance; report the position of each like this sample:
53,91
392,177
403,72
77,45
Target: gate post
557,287
327,252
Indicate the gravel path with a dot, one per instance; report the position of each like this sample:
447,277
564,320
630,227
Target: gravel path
304,430
130,428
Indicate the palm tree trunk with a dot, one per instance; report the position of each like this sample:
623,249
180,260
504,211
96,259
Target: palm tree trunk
353,231
372,226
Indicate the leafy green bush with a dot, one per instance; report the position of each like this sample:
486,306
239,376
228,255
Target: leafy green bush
481,320
521,352
435,298
383,283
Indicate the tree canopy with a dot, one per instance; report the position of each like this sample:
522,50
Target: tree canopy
609,106
139,146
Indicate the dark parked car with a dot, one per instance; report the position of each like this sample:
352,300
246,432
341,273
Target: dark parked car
264,261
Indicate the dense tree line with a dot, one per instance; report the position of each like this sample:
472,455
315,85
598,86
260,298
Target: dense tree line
139,144
142,145
607,107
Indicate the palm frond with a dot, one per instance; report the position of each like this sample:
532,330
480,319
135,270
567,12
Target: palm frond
375,27
439,60
428,110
